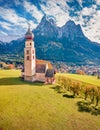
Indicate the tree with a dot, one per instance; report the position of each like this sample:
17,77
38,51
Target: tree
97,96
93,93
75,87
80,72
87,90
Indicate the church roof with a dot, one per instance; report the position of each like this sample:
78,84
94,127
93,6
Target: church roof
50,73
40,68
44,62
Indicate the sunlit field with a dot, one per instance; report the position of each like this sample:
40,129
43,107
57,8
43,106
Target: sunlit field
35,106
84,78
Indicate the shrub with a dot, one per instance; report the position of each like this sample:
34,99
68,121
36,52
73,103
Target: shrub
66,84
86,106
89,90
97,96
95,111
63,83
68,95
75,87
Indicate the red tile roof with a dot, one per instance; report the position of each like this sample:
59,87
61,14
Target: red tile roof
44,62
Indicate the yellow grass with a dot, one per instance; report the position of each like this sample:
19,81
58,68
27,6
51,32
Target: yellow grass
84,78
35,106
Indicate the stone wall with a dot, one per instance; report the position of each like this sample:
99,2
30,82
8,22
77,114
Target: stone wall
28,78
40,77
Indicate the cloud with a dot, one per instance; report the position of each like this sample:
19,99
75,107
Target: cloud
89,11
80,2
59,9
5,25
93,28
91,23
3,33
11,16
15,23
98,2
33,10
17,2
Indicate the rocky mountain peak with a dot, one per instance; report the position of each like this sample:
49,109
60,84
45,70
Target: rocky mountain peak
70,23
47,28
46,22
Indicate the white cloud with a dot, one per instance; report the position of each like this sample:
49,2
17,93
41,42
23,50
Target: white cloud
98,2
92,26
5,25
58,9
33,25
80,2
17,2
33,10
11,16
8,38
3,33
89,11
16,23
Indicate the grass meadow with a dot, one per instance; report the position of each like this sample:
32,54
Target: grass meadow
35,106
84,78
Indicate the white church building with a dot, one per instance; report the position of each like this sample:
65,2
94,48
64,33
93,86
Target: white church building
35,70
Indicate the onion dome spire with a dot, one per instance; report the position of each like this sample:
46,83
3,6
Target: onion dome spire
29,35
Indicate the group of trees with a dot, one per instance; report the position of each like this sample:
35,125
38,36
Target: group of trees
3,65
73,87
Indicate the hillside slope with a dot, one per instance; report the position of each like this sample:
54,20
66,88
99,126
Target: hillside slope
28,106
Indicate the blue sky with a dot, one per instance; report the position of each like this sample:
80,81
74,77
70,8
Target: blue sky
15,14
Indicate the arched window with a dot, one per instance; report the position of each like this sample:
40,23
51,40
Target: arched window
27,51
27,57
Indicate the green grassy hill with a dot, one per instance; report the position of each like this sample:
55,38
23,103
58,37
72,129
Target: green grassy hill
84,78
35,106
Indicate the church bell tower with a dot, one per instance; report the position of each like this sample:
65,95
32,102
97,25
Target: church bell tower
29,56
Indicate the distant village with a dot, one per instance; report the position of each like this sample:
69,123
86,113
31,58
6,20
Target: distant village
77,69
63,68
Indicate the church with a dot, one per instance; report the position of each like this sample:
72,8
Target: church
35,70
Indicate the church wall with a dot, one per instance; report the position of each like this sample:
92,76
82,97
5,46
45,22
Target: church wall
40,77
28,78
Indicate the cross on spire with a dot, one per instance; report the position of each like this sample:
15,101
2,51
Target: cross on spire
29,26
29,34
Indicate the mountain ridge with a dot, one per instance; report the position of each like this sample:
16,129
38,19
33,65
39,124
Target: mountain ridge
67,43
